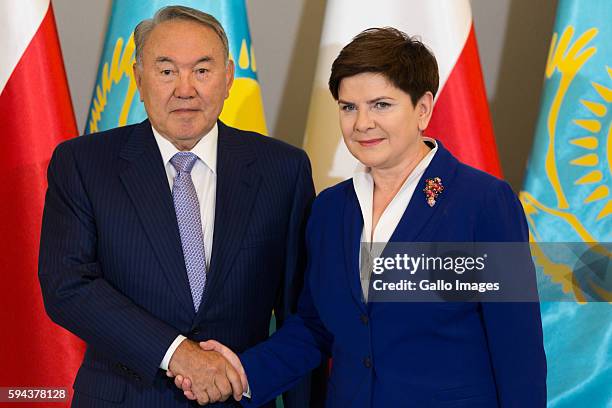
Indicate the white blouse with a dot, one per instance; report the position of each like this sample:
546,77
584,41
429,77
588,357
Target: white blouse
364,188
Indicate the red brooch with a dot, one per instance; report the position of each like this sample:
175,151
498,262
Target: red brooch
433,188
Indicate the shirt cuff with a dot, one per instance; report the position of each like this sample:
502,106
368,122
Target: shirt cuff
166,361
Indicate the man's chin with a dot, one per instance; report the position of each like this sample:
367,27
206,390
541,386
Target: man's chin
183,133
189,128
183,139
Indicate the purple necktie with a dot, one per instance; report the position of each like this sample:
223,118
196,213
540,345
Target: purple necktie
187,210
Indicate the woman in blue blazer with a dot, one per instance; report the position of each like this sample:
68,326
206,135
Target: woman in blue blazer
408,188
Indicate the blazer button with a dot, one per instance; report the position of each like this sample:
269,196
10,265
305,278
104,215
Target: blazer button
364,319
195,332
367,362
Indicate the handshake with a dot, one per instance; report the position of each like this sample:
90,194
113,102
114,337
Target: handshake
207,372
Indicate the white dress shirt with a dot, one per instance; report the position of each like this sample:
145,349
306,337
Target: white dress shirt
364,188
204,176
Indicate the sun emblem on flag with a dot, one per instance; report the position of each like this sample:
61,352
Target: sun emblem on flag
593,154
244,108
578,167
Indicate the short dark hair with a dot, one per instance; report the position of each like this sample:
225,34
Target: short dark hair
405,61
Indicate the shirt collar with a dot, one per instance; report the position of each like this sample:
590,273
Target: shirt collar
205,149
361,170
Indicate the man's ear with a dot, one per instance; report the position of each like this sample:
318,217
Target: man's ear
229,77
136,69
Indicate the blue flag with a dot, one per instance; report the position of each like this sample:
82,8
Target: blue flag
567,198
115,101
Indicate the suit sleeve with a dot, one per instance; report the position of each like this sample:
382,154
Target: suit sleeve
514,329
75,293
295,257
310,391
299,346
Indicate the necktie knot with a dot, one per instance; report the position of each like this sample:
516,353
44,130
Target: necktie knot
183,162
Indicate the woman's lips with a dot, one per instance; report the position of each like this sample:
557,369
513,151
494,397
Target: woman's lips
369,142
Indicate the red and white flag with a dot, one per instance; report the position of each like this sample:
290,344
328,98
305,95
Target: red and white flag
35,115
461,119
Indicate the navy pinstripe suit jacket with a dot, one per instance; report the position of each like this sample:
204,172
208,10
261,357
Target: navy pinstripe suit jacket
111,266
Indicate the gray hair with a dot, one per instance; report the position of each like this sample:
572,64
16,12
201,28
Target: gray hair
144,28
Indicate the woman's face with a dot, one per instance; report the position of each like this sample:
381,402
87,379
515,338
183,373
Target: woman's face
380,125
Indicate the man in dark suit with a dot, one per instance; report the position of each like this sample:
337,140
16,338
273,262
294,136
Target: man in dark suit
172,231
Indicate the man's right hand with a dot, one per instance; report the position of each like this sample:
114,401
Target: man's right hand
212,377
184,383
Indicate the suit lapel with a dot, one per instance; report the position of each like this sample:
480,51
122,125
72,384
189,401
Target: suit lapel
416,216
353,226
418,213
237,187
146,183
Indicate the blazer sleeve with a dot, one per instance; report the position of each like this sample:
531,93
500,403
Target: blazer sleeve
299,346
514,329
309,392
75,293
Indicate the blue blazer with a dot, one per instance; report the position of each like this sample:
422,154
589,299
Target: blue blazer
111,263
460,354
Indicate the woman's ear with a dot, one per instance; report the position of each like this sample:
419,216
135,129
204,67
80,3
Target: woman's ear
424,109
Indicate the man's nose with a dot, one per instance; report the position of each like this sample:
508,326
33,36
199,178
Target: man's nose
364,121
184,86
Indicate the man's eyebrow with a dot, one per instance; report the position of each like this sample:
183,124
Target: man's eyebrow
168,59
205,59
163,59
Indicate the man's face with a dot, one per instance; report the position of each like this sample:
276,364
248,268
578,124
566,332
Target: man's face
183,80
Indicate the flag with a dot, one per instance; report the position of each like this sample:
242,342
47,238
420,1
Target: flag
567,199
114,101
461,118
36,115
